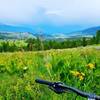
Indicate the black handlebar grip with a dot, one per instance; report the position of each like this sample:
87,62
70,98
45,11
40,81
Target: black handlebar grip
43,82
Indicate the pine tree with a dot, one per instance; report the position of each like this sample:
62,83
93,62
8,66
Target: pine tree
98,37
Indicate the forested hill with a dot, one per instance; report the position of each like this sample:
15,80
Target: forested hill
15,35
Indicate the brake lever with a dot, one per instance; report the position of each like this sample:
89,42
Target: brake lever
57,87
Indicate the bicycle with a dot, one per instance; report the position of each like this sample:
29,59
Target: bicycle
59,87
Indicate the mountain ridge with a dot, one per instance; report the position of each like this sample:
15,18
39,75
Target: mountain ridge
8,31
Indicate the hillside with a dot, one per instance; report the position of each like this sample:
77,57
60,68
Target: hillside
15,35
91,31
14,32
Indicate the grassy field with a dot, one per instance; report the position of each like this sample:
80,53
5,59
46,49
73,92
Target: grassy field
78,67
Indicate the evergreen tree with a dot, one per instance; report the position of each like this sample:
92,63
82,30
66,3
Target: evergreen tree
31,44
98,37
84,41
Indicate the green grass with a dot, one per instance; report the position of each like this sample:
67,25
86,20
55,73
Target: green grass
19,70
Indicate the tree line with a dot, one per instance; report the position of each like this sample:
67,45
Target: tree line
40,44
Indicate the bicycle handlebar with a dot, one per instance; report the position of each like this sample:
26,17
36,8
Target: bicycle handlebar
59,87
43,82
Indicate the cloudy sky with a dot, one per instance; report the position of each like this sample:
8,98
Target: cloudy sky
51,15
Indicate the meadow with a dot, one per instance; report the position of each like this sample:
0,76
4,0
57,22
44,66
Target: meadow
77,67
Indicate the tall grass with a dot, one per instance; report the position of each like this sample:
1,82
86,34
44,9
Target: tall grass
78,67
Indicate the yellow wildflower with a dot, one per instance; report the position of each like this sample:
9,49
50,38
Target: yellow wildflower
28,87
48,65
91,66
75,73
81,77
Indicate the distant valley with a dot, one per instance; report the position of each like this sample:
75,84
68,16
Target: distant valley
14,32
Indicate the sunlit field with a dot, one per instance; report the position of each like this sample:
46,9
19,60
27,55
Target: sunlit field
77,67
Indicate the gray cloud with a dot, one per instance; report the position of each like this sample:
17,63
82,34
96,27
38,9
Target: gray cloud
52,11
